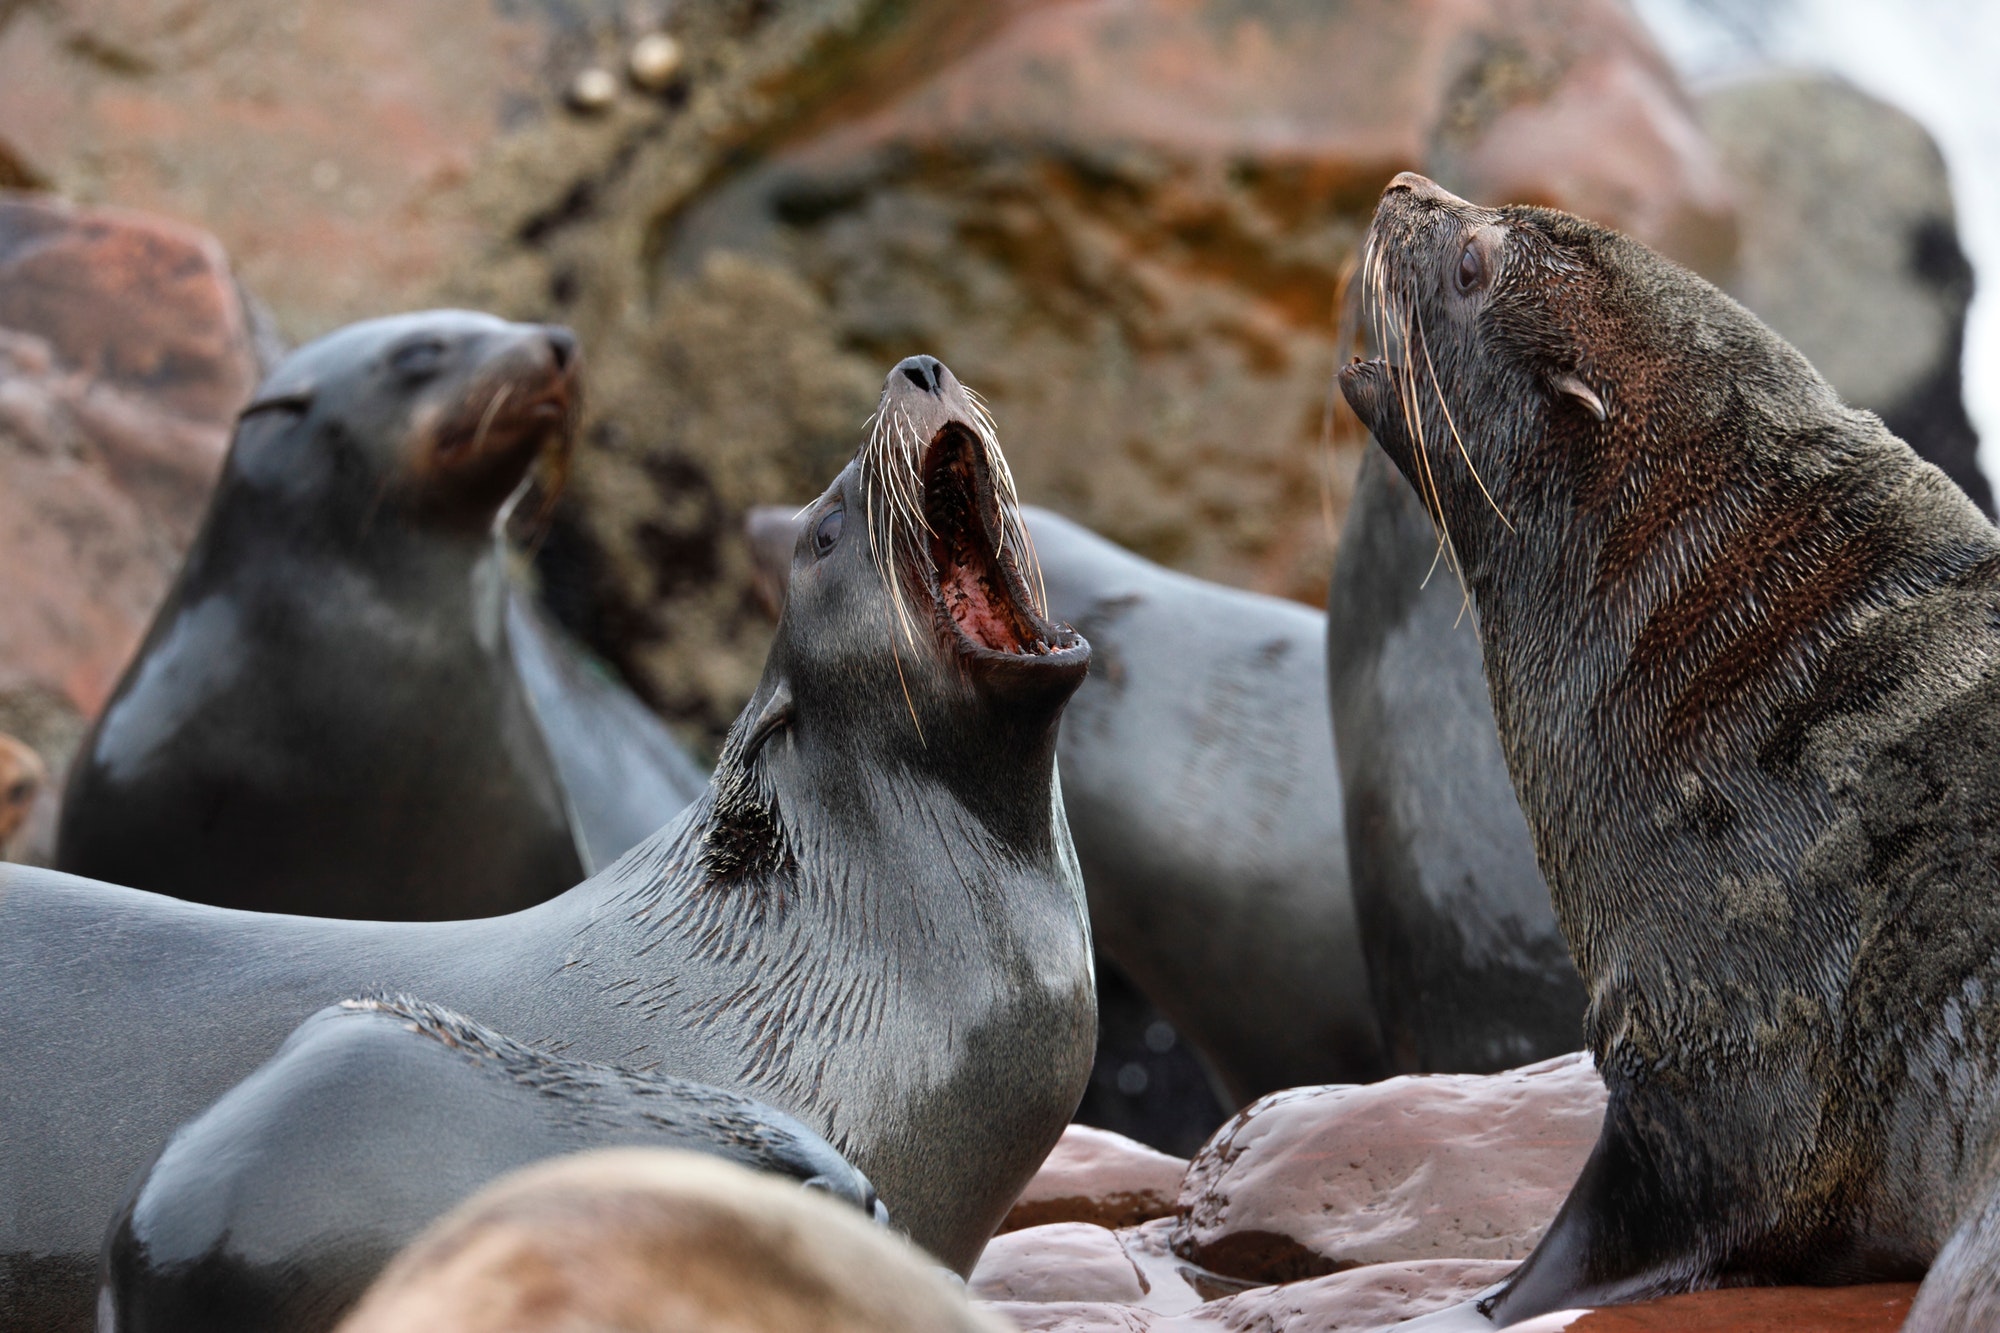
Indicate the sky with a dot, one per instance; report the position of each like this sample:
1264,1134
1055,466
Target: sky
1939,60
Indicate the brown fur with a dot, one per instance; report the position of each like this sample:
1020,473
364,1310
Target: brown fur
22,777
641,1240
1744,654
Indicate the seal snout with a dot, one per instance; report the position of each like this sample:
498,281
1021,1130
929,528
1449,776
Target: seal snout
924,372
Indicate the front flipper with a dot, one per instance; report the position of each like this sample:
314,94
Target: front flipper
1639,1222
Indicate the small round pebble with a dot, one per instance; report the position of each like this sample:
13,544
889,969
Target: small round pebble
593,90
654,61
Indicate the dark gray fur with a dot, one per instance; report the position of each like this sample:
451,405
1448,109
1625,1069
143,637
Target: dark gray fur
1743,649
883,934
1467,968
273,1210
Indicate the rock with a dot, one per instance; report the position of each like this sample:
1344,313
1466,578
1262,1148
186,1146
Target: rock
1440,1166
1124,220
1062,1261
1371,1297
1094,1175
1872,1308
125,352
1081,1317
1850,250
645,1240
22,777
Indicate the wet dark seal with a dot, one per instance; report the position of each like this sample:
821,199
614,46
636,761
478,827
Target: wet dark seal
1466,967
273,1210
872,919
343,709
1744,655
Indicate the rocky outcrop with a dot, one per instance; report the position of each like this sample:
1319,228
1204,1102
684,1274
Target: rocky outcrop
1850,251
1096,1176
1124,220
1459,1166
125,352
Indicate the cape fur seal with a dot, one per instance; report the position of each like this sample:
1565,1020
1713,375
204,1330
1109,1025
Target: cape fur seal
872,919
1744,657
1467,969
1198,774
273,1210
631,1240
329,715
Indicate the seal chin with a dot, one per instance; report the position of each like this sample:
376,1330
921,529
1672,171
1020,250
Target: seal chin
1365,385
990,617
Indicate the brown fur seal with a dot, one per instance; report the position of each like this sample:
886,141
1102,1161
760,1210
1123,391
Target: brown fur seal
1743,649
273,1210
872,919
343,709
633,1240
22,776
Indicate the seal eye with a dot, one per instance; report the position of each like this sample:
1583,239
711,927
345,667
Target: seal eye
826,532
418,360
1471,269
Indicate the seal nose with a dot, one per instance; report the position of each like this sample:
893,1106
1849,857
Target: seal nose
926,372
1423,187
562,345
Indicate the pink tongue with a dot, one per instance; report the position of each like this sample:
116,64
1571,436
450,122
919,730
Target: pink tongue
985,624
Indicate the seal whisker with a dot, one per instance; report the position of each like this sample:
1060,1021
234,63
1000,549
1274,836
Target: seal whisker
1452,425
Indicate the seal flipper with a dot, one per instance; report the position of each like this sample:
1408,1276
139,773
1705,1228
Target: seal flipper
1623,1234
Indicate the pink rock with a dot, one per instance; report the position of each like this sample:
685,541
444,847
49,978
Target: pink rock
1063,1261
1094,1175
1081,1317
1443,1166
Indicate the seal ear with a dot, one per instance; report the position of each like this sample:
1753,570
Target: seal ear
776,712
1571,383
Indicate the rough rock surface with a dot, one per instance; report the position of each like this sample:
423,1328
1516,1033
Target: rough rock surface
1849,248
22,777
1124,220
1062,1261
1460,1166
1094,1175
1874,1308
125,352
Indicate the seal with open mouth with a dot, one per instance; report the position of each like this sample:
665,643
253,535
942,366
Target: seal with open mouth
343,709
872,919
1743,648
1199,777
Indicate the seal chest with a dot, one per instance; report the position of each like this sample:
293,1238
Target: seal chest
1744,658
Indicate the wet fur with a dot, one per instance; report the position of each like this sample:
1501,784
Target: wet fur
1743,648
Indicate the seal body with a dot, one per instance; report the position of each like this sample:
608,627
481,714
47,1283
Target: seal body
1467,968
631,1240
1744,658
1199,778
325,717
276,1207
872,919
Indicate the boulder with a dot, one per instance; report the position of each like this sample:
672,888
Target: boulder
1096,1176
22,777
1062,1261
1126,221
1849,248
125,352
1460,1166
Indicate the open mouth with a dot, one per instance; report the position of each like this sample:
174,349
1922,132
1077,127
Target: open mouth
978,582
